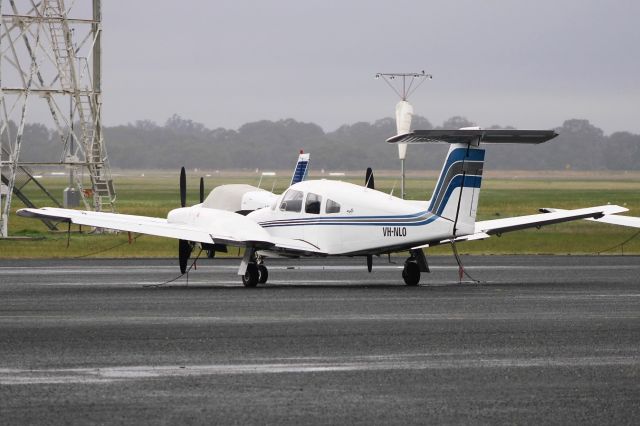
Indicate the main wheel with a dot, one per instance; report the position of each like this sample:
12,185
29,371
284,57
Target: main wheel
411,273
263,274
250,277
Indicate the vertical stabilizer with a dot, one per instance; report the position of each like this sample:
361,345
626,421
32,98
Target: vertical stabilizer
458,188
301,169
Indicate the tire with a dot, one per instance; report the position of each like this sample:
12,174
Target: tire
411,274
263,274
250,277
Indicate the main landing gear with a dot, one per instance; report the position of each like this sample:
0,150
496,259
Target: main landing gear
411,273
250,277
416,263
256,273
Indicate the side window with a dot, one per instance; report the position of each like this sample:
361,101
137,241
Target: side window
332,207
313,203
292,201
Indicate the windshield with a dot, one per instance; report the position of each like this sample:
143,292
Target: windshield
292,201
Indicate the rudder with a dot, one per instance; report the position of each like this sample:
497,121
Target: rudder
457,191
301,169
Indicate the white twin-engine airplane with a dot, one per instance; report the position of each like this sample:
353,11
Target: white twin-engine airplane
243,199
332,218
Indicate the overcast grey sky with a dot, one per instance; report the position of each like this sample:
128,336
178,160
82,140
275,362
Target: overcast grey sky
530,64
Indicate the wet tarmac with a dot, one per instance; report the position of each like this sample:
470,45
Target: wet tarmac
540,339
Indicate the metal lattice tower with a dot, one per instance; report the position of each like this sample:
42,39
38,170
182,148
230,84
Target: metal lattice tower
50,64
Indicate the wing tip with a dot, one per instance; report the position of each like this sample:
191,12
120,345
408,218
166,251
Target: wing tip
398,137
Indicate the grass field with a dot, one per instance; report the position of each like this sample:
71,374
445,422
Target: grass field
504,194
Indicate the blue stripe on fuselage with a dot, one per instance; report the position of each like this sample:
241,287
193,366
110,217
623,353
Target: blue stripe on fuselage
347,218
348,223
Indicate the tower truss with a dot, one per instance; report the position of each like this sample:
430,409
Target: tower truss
50,73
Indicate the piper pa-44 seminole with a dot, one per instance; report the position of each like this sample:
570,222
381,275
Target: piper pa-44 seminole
333,218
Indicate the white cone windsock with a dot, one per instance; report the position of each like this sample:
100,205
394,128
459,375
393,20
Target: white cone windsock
404,111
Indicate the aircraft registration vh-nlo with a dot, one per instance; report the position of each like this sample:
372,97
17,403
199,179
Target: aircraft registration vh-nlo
333,218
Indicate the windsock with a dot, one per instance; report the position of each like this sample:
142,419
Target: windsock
404,111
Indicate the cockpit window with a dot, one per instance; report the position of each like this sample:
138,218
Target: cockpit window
313,203
332,207
292,201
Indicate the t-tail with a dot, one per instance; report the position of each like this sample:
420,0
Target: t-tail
302,168
458,188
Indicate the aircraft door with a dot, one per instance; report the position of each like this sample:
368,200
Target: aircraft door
291,208
312,206
330,237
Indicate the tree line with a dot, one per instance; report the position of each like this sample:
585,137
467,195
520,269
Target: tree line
275,144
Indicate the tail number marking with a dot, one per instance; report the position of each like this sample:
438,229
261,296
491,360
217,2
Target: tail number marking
394,231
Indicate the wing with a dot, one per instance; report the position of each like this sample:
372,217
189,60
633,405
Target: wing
469,136
633,222
131,223
486,228
613,219
499,226
221,227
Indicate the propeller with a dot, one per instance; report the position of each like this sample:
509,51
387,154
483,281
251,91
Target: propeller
369,183
184,246
211,251
368,178
183,188
184,251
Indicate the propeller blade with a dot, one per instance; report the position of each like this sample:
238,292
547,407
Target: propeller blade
184,251
369,262
183,188
201,189
368,178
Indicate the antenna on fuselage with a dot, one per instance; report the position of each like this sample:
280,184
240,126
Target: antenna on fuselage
404,110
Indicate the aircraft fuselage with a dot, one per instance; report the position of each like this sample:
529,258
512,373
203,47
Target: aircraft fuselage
343,218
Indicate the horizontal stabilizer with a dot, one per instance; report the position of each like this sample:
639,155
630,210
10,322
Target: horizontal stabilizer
474,136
